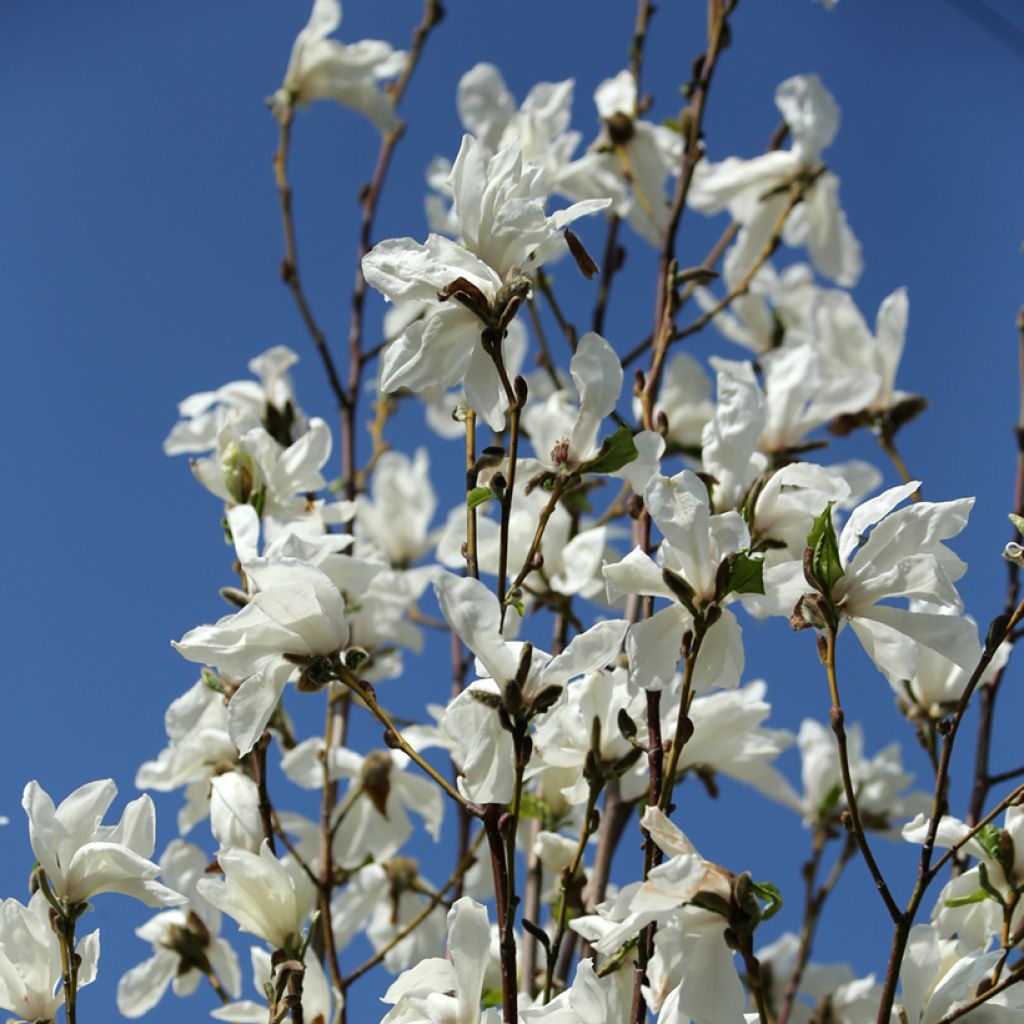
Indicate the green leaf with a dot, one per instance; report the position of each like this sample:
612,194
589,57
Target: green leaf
825,562
1018,522
746,575
616,452
491,997
978,896
478,496
771,896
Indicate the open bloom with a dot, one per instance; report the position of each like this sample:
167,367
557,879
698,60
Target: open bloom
529,677
185,941
298,613
755,191
504,234
888,553
267,897
81,857
419,996
30,960
322,68
696,543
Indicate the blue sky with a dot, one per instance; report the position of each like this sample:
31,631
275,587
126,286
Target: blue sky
138,263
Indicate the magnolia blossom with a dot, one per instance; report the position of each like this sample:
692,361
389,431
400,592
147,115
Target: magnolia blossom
471,719
696,543
383,898
755,191
836,329
396,515
271,400
376,803
419,996
267,897
505,234
30,961
322,68
185,941
199,745
561,439
541,127
82,858
879,782
296,615
776,303
888,553
644,154
941,975
251,466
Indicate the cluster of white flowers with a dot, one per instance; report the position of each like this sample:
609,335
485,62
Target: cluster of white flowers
645,550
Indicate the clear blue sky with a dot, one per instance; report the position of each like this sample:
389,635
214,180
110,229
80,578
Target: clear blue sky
138,263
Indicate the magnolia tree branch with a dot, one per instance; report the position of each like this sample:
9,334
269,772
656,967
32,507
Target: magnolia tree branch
815,897
856,826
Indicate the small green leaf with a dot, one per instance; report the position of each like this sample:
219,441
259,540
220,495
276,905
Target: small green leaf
978,896
825,563
988,837
771,896
746,575
478,496
616,452
1018,522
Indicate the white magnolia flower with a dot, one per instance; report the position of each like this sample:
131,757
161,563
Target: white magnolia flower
836,328
729,739
755,191
82,858
643,154
251,466
471,719
696,543
504,234
564,738
419,996
396,515
30,961
267,897
270,400
185,941
685,401
322,68
888,553
563,437
235,818
540,126
775,304
879,782
199,745
383,899
297,615
940,975
375,805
